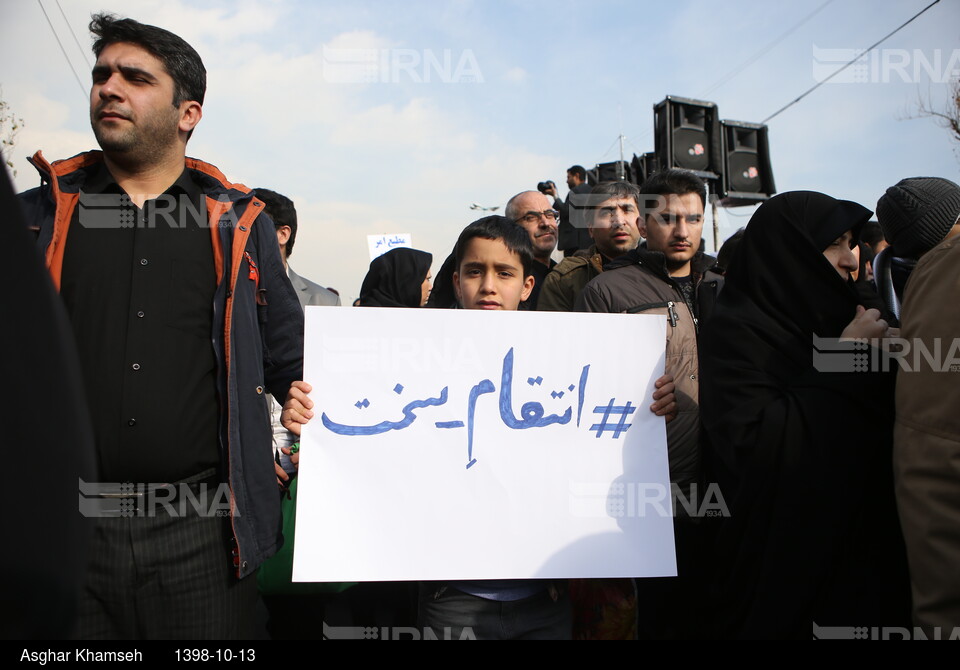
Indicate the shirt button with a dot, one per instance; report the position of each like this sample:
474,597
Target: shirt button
693,377
140,314
132,422
135,366
143,261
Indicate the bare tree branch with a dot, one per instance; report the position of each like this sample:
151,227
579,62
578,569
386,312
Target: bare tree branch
10,125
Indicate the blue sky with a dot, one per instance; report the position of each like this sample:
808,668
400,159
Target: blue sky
544,85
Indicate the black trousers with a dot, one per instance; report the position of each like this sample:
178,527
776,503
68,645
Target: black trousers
164,577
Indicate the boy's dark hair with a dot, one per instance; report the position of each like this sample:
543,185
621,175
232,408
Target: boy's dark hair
670,182
578,171
180,60
514,237
280,208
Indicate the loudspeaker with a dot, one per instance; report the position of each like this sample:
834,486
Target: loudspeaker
688,135
616,171
747,175
643,167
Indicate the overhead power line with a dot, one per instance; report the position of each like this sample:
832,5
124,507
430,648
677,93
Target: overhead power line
848,64
750,61
76,41
63,51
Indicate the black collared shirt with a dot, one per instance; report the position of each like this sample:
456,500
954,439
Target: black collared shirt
138,285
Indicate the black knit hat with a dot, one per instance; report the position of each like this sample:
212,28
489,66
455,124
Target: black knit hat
917,214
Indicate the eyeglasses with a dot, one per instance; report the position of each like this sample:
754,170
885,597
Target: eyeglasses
550,215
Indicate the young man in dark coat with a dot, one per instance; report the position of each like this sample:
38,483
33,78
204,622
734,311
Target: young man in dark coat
667,275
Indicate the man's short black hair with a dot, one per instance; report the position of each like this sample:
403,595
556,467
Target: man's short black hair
578,172
611,189
514,236
728,249
180,60
280,208
670,182
871,234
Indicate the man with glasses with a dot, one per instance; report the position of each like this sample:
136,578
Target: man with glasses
532,210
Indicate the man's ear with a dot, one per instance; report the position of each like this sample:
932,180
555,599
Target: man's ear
190,114
527,287
456,287
642,226
283,235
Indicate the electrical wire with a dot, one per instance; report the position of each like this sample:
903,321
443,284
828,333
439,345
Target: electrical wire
848,64
64,51
76,41
750,61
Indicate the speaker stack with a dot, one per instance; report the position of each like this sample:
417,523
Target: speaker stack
747,175
732,156
687,136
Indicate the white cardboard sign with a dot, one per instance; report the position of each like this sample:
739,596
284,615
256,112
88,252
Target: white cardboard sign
381,244
453,444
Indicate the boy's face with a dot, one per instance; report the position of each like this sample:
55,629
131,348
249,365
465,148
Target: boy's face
491,277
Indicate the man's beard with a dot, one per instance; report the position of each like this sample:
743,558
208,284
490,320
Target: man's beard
141,143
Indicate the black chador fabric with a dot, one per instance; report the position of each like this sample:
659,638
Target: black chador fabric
803,457
395,279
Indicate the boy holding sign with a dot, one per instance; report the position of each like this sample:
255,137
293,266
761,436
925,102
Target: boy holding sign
494,261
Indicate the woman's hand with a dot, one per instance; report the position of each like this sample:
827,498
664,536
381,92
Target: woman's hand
867,324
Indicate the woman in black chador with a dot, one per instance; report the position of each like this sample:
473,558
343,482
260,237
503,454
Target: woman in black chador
398,278
800,442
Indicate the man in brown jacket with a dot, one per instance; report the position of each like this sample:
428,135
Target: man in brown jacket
920,219
613,218
667,275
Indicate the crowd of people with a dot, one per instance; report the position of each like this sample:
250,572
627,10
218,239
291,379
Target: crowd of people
841,479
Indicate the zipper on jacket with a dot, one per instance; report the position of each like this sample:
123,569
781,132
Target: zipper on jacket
670,305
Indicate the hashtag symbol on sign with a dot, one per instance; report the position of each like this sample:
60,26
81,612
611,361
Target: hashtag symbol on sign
621,427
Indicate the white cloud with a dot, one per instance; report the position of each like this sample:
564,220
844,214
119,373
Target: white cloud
515,75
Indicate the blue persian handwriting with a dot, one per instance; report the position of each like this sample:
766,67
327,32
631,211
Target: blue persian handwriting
408,418
623,410
531,414
486,386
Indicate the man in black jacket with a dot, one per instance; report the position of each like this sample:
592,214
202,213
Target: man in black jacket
572,229
183,318
667,275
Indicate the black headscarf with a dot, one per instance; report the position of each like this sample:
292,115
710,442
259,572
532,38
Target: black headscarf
395,279
781,269
802,456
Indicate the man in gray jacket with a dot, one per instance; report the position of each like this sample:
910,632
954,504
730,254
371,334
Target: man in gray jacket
280,208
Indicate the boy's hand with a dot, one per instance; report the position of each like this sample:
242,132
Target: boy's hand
293,453
297,408
664,401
